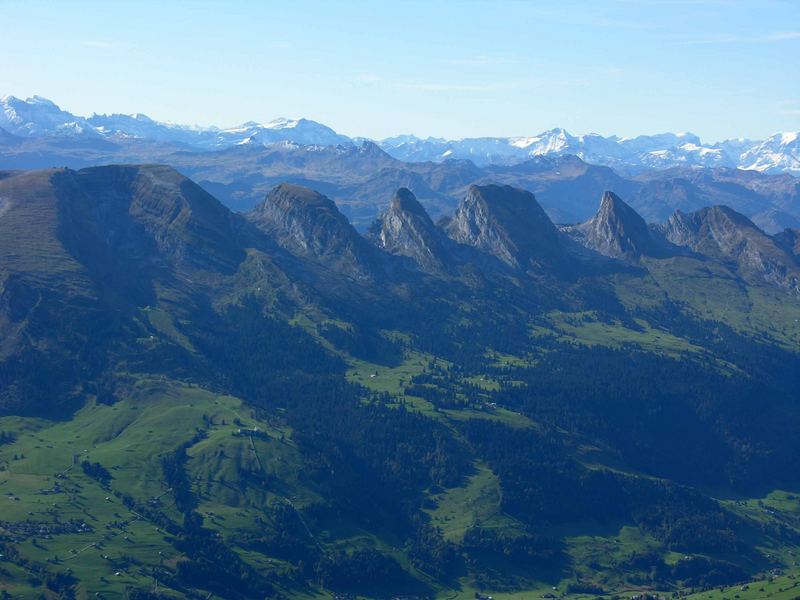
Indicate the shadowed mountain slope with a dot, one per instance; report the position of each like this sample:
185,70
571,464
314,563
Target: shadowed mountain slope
83,252
617,231
509,224
405,229
308,224
721,232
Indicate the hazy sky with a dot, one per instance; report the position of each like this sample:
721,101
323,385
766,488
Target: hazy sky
718,68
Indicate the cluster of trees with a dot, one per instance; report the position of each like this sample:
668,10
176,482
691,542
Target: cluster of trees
679,418
373,460
362,570
432,554
680,526
97,472
649,567
173,466
463,339
60,584
704,572
521,548
283,535
258,357
36,383
541,484
211,564
364,342
446,389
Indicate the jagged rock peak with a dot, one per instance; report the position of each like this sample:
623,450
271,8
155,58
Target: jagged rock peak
612,206
302,219
718,224
290,193
404,200
617,231
508,223
720,231
406,229
309,224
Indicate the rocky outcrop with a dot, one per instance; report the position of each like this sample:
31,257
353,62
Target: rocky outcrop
308,224
510,225
722,233
405,229
617,231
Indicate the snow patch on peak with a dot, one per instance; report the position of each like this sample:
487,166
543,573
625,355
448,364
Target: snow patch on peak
41,100
39,117
283,123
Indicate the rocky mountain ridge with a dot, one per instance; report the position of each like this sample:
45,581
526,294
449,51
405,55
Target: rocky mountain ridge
273,372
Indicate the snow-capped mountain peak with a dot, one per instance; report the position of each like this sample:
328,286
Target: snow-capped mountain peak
39,117
789,137
778,153
42,101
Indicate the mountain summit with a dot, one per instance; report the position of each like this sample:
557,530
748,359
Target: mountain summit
721,232
405,229
306,223
509,224
616,231
38,117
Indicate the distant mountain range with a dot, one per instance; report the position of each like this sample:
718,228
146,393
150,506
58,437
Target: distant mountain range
39,117
361,177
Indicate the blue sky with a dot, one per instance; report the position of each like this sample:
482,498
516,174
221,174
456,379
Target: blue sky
718,68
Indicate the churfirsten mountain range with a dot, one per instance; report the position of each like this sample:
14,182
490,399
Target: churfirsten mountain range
276,362
271,403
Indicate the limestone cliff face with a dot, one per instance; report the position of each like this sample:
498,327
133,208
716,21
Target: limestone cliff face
617,231
509,224
721,232
308,224
405,229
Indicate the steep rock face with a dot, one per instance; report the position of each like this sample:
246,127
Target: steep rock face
616,231
720,232
405,229
789,240
113,231
83,253
308,224
146,210
509,224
